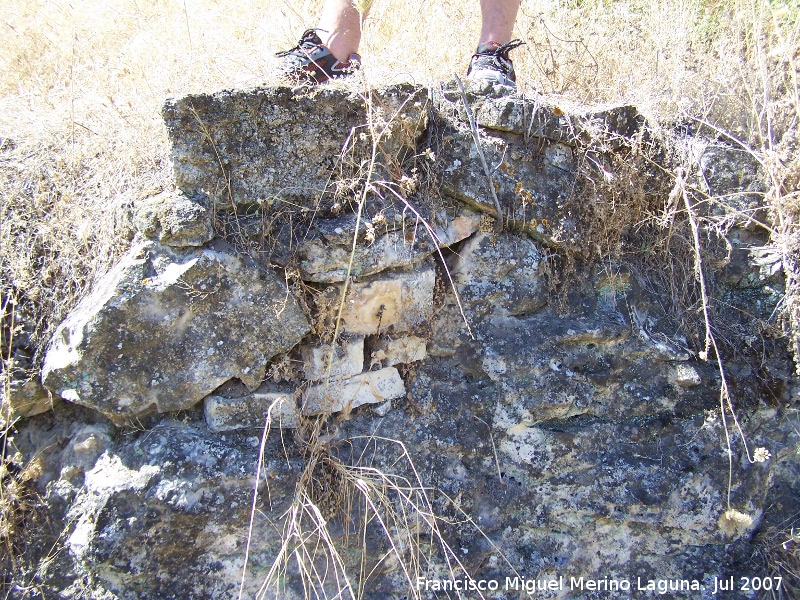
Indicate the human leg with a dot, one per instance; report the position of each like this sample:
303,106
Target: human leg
490,64
498,18
340,28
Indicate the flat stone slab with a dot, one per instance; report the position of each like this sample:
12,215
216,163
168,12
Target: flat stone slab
227,414
402,350
381,244
373,387
397,301
535,117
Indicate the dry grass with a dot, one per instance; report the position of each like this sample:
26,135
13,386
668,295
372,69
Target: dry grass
778,553
19,503
361,512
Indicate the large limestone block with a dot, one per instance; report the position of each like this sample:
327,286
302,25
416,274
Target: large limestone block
373,387
534,185
164,329
270,145
400,301
533,150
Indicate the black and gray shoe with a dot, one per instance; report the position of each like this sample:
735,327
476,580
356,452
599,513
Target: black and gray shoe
490,64
311,62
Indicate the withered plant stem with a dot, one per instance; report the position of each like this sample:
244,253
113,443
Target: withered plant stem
498,225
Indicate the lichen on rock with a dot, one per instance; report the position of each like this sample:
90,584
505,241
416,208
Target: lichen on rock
165,328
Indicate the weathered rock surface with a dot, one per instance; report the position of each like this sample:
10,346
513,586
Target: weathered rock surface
506,275
251,411
572,496
732,175
609,128
273,145
533,182
163,329
23,399
581,496
162,515
530,147
582,366
174,220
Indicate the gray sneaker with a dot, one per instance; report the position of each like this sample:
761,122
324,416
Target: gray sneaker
490,64
311,62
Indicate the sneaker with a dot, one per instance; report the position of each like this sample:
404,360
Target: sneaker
490,64
311,62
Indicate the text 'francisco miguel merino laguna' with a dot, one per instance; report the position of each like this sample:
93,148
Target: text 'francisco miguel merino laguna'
532,586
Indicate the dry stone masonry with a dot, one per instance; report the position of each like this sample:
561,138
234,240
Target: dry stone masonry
559,408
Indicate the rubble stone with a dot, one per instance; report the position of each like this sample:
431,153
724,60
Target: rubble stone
227,414
402,350
373,387
174,220
348,360
165,328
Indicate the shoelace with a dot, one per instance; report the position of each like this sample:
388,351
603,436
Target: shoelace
308,40
501,52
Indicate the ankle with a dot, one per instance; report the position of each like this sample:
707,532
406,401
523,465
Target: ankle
342,52
342,39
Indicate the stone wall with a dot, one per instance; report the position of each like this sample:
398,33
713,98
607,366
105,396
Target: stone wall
331,265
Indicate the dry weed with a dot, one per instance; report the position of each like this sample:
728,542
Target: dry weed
778,553
20,506
361,512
